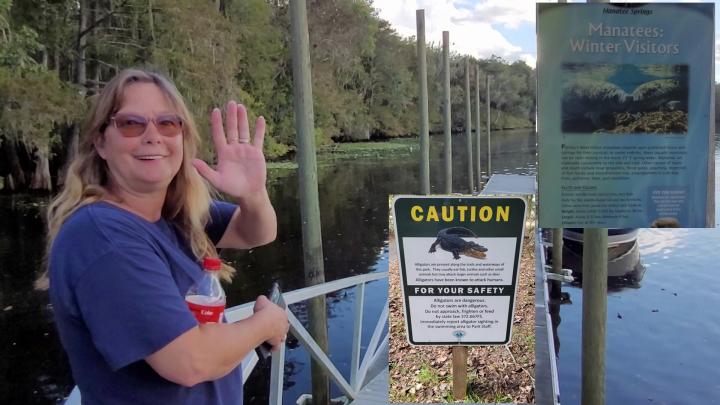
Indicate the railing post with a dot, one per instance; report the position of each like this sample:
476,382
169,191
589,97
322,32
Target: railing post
277,370
357,336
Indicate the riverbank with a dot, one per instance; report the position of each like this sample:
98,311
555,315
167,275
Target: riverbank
354,150
423,374
391,148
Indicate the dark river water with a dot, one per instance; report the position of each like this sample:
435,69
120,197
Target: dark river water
663,333
354,210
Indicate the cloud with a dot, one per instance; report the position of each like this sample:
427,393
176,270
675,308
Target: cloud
469,33
510,14
530,59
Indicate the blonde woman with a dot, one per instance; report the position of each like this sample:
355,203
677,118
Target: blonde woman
125,239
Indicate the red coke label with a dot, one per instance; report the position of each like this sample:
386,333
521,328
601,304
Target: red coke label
205,311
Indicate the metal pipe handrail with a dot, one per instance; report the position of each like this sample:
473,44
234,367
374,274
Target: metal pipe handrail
359,369
540,267
242,311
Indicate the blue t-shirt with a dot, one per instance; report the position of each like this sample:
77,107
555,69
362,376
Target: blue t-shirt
117,288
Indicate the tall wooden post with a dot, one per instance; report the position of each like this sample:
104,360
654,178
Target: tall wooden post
424,120
487,101
557,234
309,201
477,127
594,316
446,112
557,242
468,126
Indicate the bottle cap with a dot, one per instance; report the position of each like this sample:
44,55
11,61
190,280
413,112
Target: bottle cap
212,263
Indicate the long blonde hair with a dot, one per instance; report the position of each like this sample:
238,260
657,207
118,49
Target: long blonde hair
188,196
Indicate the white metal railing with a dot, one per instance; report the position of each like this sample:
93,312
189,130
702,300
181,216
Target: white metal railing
540,264
358,369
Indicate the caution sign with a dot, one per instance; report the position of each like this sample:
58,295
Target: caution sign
459,263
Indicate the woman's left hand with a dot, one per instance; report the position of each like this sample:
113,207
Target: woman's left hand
241,169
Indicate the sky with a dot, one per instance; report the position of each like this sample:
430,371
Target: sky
482,28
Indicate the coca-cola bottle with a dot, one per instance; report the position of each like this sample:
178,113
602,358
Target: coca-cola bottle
206,298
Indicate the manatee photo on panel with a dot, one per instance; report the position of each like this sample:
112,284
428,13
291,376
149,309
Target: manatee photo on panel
624,98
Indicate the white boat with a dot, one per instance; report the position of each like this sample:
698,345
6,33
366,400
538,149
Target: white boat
616,236
623,251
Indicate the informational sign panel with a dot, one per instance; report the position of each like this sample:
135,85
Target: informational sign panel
624,115
459,261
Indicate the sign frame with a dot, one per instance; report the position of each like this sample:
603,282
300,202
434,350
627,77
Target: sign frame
411,240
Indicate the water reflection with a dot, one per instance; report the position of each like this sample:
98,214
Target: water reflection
660,345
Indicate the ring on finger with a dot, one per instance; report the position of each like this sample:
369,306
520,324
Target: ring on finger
244,140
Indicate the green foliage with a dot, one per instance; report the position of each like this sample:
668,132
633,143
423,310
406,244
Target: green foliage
364,74
342,43
16,48
33,101
394,85
32,104
427,375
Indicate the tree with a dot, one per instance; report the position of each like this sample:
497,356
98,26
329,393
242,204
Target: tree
33,101
342,44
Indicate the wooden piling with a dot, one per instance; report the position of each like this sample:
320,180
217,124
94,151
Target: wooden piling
446,112
557,247
468,126
309,201
487,101
555,287
477,128
423,105
594,316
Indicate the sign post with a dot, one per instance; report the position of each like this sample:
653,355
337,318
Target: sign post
459,261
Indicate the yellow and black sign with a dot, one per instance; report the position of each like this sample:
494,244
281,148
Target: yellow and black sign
459,259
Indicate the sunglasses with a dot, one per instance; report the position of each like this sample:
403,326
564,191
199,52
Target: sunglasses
131,125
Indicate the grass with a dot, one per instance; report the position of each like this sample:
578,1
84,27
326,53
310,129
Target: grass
427,375
500,398
367,149
283,165
530,339
339,151
472,398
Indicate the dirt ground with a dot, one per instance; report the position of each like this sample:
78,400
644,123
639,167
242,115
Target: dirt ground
423,374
